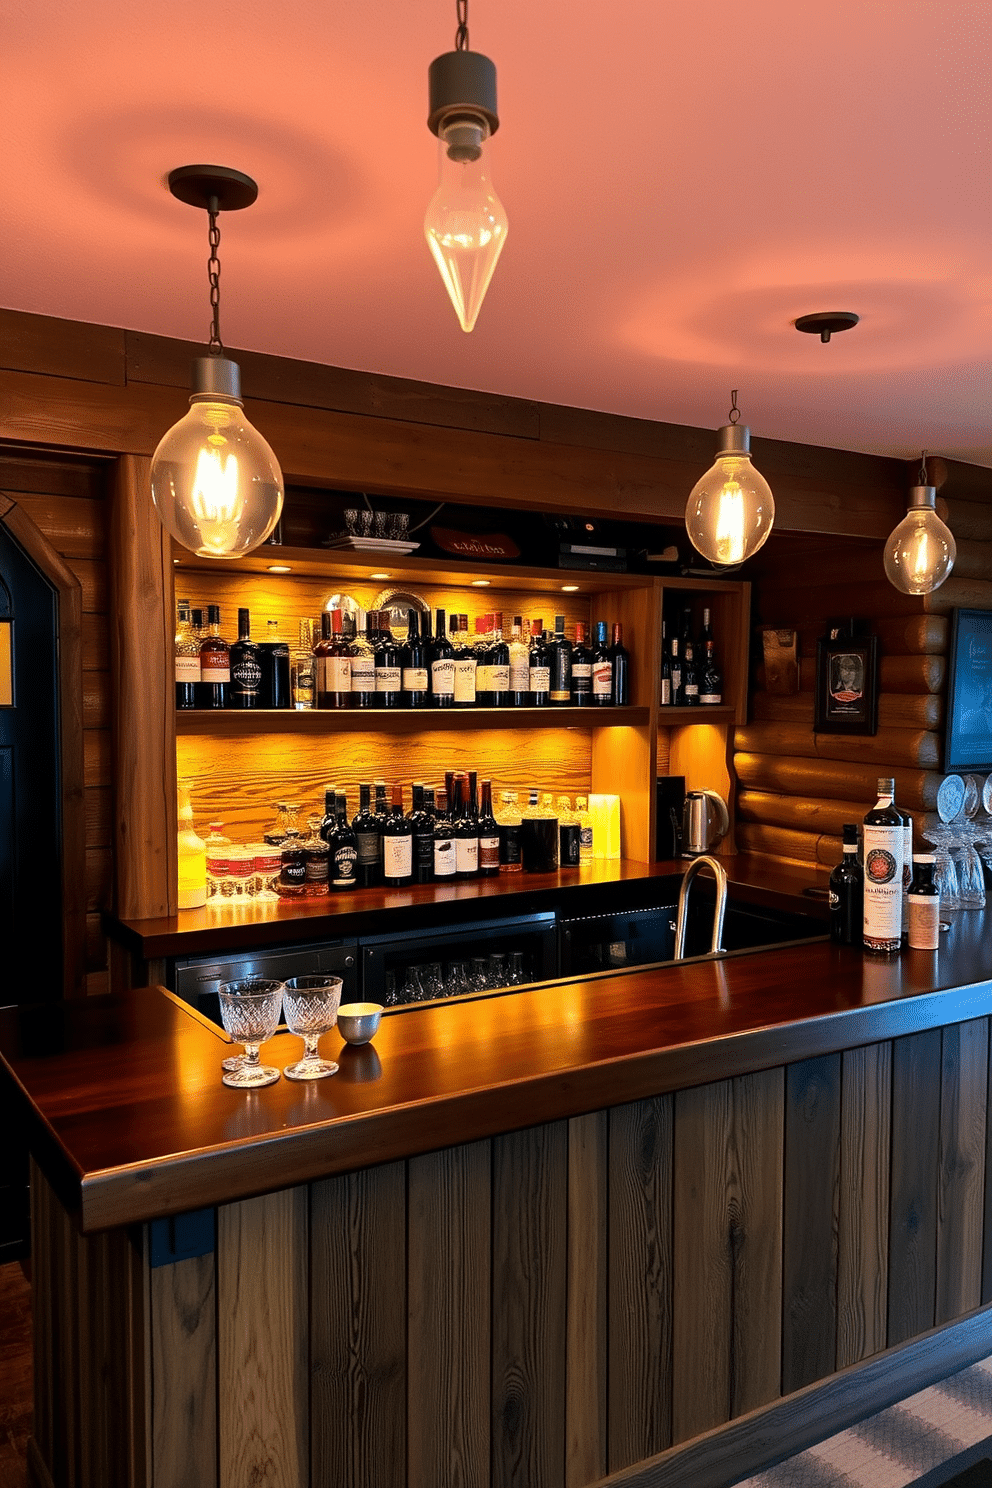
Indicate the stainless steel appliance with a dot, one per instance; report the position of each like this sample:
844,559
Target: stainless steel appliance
196,979
387,959
705,822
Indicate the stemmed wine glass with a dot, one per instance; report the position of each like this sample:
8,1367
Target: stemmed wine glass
310,1004
250,1012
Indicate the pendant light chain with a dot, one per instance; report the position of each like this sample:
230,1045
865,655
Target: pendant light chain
461,35
735,412
923,468
216,346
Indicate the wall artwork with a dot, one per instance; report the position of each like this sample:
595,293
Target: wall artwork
968,733
846,683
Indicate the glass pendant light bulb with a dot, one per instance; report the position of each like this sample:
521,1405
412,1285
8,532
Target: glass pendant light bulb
215,482
731,509
920,551
465,224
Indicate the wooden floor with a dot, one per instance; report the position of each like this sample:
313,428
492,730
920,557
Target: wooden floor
15,1375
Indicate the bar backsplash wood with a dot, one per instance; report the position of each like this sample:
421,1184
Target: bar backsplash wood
76,398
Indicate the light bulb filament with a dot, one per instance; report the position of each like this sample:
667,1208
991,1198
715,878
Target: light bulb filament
921,558
730,520
216,498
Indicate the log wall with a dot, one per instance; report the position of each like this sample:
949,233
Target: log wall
797,788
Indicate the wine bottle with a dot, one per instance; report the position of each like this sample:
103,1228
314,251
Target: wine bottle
883,851
581,669
387,667
483,647
499,666
519,666
368,840
846,893
690,678
539,668
602,669
561,667
466,832
413,661
441,657
666,671
466,668
620,657
444,840
362,651
423,837
187,650
397,845
488,834
215,664
711,682
336,690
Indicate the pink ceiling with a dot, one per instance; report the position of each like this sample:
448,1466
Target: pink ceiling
681,182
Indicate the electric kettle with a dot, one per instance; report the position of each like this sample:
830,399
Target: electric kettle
705,822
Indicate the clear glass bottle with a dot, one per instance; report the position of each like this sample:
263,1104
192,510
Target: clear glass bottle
301,689
293,873
883,852
586,852
187,653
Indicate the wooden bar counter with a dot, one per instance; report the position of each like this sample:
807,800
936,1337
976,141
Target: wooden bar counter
645,1228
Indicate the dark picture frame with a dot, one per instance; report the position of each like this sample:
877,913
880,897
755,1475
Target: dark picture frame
968,730
846,699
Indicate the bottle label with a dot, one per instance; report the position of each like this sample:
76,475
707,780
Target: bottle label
585,840
559,695
443,677
883,884
344,866
414,679
397,857
465,688
602,679
540,679
581,672
338,674
188,668
294,871
246,674
692,689
444,857
482,677
318,868
362,674
215,672
666,691
499,679
489,852
509,846
519,673
676,679
369,848
710,697
467,854
387,679
924,922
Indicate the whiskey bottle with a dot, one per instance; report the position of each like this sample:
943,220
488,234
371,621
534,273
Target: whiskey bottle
620,657
690,678
246,672
602,669
187,650
367,828
363,664
215,664
711,682
569,835
883,852
560,662
586,852
846,893
581,669
301,666
441,658
509,819
397,845
413,663
488,834
273,658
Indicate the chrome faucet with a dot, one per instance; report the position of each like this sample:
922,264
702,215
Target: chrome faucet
720,874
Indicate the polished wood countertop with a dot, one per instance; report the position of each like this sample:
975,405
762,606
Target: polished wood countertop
126,1113
595,887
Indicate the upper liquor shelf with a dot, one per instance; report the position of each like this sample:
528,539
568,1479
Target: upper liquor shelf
237,721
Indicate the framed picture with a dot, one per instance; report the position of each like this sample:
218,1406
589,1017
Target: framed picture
968,731
846,684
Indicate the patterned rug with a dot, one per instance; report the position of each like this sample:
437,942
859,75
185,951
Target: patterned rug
922,1442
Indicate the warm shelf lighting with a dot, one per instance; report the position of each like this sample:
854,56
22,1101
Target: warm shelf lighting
480,583
279,568
569,588
920,551
215,482
730,511
465,224
379,576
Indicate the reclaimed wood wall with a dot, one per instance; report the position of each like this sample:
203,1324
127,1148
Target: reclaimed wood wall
797,787
547,1308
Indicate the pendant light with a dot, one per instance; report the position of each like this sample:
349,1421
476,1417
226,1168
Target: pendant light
465,224
730,511
215,482
920,552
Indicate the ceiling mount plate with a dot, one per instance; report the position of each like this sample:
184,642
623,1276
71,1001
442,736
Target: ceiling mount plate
198,185
825,322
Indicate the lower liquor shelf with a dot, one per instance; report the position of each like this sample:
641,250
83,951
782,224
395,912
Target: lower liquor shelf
401,720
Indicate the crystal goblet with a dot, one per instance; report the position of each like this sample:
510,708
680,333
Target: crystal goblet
310,1005
250,1012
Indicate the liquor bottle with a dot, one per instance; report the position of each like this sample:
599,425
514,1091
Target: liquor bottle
539,668
334,688
519,666
539,835
581,669
321,648
602,669
444,840
711,682
414,683
466,667
387,666
215,664
678,696
483,648
466,832
441,658
368,840
560,662
685,628
706,634
293,857
924,906
907,871
317,861
363,664
187,649
586,852
690,678
883,850
192,852
246,673
276,833
423,837
509,820
846,893
330,818
488,834
273,658
301,666
499,665
620,657
569,834
343,846
196,624
397,845
666,671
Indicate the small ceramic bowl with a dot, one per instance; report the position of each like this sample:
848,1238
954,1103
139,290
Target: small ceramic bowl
358,1022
